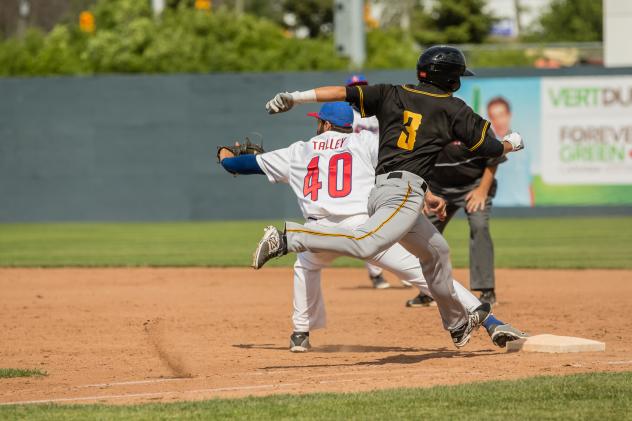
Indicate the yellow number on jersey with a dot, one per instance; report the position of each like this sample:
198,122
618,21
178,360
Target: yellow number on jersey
407,138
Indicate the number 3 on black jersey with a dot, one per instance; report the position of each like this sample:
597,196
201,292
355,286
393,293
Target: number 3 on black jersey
408,136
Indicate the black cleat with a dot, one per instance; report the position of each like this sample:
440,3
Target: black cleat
421,300
488,296
379,282
299,342
272,245
461,335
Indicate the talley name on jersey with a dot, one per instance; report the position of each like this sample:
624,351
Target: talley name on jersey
329,143
331,174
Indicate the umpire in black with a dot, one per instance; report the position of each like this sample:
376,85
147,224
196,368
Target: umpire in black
467,182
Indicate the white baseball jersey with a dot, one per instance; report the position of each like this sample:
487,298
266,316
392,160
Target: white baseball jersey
331,174
367,123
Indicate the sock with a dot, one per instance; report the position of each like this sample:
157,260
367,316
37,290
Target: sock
492,321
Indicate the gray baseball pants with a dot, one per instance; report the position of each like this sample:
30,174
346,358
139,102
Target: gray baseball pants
394,207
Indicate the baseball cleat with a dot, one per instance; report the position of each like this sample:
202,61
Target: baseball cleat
379,282
271,245
501,334
299,342
488,296
461,335
421,300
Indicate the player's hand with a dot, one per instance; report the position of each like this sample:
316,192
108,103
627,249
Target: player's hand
434,204
515,140
281,103
476,200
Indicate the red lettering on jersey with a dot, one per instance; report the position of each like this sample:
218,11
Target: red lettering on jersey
330,143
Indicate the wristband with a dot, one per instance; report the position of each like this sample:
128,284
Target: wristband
304,96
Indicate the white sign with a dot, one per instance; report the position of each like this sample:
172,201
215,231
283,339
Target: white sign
586,130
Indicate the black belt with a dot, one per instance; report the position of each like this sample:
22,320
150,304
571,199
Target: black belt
398,174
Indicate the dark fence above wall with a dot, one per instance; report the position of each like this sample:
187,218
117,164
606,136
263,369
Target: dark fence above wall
143,147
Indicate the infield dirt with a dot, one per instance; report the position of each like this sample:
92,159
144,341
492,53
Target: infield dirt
138,335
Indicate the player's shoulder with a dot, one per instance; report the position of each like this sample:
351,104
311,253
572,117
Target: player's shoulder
456,103
360,137
381,87
385,85
299,147
427,91
361,142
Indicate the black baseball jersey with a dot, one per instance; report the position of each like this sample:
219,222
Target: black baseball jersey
457,169
416,122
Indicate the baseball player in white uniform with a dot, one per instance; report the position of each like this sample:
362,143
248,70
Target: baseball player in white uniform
332,175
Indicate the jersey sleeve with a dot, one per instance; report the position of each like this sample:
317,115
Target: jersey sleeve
492,162
276,165
474,131
367,98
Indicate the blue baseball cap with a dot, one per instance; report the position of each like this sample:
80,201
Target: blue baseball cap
337,113
354,80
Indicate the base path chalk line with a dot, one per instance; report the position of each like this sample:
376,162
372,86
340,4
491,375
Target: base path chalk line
134,382
149,395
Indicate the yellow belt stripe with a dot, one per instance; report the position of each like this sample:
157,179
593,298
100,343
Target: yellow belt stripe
480,142
361,101
351,237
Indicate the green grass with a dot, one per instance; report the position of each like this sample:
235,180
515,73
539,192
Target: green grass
519,243
586,396
7,373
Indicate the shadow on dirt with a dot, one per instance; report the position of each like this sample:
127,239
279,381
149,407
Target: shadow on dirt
396,359
367,287
261,346
337,348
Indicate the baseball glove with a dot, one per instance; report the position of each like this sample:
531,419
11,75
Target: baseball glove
245,148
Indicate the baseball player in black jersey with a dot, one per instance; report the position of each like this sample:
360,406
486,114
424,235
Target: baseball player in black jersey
416,122
467,182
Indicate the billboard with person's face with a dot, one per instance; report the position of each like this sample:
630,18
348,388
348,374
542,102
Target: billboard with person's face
578,136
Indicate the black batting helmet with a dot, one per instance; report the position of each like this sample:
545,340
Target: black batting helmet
442,66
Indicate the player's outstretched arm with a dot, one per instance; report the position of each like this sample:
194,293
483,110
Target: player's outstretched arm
475,132
244,165
240,158
284,101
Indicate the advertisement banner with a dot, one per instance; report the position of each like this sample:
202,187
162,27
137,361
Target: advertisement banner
578,136
586,130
